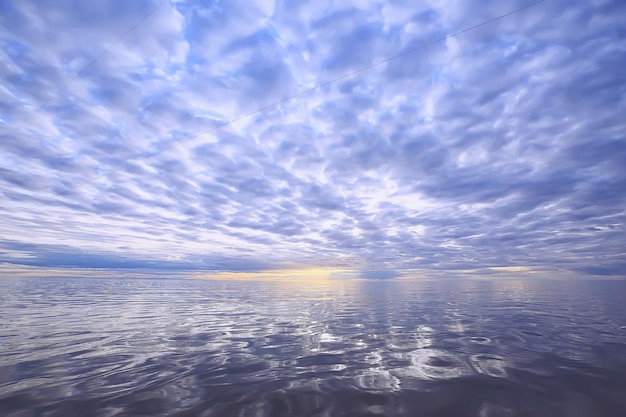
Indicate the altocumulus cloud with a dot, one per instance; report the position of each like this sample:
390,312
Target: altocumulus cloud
501,149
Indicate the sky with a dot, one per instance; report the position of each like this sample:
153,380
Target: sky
497,152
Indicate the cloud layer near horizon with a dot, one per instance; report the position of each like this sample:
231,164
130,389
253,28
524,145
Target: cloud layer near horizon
502,147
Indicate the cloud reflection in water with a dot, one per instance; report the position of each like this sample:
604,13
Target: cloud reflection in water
126,347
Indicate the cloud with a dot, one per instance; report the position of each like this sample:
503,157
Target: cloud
502,147
62,256
378,274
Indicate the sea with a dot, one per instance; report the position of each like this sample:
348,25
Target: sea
181,347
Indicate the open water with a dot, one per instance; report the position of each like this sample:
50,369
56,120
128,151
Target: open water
165,347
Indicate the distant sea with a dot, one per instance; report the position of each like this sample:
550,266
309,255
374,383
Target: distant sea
166,347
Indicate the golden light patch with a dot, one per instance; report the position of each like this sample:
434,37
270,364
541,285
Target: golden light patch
306,274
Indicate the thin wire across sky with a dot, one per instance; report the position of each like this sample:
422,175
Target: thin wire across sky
273,104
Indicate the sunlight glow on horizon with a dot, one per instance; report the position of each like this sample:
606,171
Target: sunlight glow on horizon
312,275
305,274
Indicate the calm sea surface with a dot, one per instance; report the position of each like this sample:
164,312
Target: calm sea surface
122,347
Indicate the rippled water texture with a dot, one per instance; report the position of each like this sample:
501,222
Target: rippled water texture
85,347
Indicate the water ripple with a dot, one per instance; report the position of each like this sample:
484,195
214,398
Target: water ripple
186,348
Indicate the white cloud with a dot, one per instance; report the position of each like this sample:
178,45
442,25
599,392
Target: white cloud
445,158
